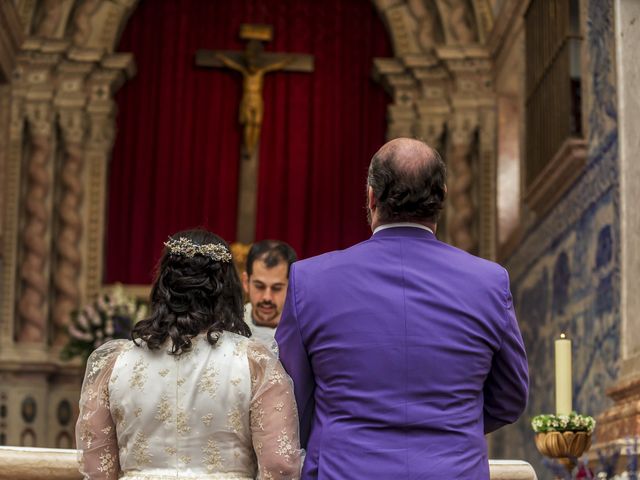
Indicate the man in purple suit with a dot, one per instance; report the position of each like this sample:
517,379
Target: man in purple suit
404,351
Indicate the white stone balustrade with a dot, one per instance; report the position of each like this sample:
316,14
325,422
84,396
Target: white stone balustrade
22,463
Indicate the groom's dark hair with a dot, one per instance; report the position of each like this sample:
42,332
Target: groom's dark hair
408,180
272,253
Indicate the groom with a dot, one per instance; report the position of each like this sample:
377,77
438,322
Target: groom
404,351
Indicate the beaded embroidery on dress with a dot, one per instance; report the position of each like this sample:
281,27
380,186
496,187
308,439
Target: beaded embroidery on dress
215,412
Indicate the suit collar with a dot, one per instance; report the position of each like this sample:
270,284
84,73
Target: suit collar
403,230
401,225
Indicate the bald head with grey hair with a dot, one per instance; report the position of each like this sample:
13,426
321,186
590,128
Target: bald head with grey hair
406,183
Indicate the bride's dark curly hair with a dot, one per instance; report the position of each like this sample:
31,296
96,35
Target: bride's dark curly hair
191,295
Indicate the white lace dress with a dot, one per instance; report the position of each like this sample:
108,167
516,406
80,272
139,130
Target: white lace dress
217,412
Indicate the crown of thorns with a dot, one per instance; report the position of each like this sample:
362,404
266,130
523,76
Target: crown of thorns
186,248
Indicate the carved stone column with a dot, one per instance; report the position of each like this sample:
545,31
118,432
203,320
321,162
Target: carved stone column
70,103
102,84
460,219
472,159
11,215
432,106
10,41
37,64
397,80
34,291
487,152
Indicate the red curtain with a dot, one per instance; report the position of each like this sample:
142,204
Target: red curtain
176,158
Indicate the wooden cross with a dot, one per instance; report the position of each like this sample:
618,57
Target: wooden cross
253,63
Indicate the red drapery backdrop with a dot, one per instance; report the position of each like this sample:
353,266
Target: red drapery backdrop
176,157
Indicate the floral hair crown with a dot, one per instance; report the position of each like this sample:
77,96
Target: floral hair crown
186,248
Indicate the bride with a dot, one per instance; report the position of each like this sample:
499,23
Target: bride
191,396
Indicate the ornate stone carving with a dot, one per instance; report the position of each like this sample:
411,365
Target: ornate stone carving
82,21
429,24
98,149
51,18
69,260
460,225
402,87
11,214
488,185
403,27
433,105
97,23
460,22
26,11
10,40
33,270
101,110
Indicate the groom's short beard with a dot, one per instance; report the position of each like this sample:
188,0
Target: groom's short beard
261,319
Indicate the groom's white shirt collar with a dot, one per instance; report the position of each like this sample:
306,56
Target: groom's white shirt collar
401,224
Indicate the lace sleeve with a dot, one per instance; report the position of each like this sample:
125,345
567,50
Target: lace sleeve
274,418
96,430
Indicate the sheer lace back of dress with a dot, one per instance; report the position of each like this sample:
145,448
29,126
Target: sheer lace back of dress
223,411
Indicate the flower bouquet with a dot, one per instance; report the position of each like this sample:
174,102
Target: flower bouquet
110,316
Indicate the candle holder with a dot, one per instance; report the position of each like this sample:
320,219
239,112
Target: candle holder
563,437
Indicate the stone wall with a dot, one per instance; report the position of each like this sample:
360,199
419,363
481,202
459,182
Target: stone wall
566,273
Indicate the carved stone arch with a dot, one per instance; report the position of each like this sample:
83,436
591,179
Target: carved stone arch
87,24
99,23
430,26
484,19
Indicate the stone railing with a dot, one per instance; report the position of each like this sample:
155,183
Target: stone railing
22,463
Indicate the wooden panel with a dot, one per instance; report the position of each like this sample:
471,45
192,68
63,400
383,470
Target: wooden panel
552,96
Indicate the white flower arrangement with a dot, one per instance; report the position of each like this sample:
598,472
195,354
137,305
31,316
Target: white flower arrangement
112,315
563,423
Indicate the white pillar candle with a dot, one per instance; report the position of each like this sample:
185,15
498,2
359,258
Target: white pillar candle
564,383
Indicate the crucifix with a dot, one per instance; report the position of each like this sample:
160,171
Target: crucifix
253,64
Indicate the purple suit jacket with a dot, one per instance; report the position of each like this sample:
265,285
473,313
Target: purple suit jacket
404,352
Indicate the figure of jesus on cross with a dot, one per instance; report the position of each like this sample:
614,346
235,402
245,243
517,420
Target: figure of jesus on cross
252,105
253,64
